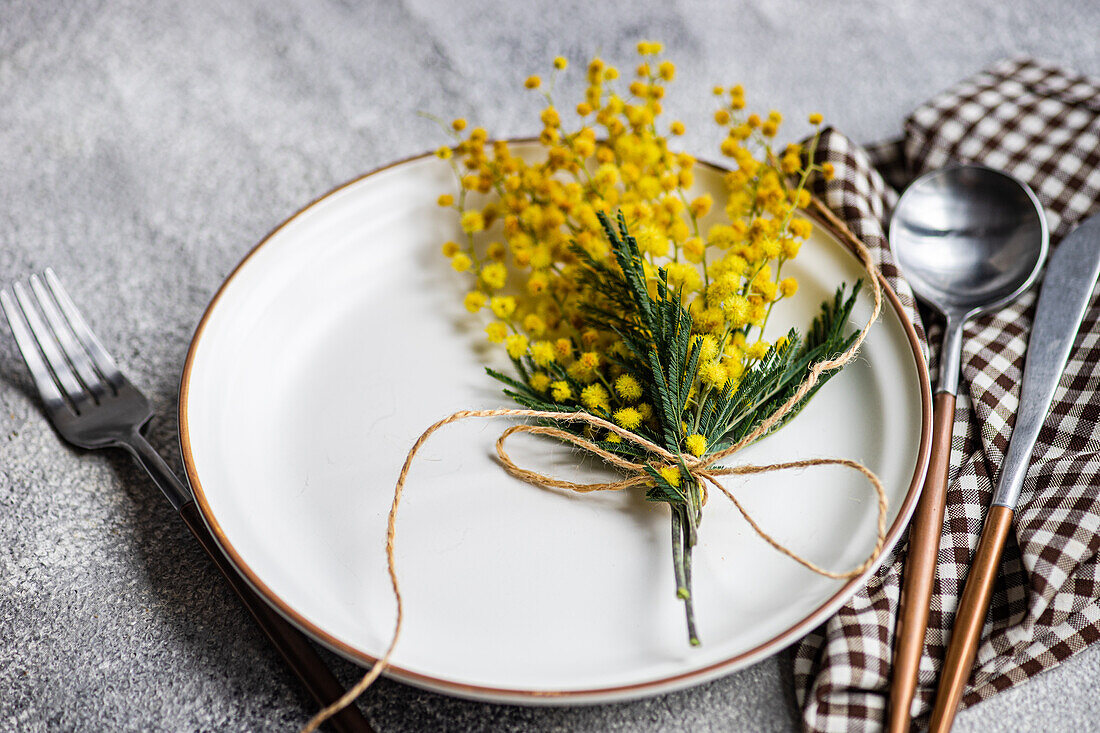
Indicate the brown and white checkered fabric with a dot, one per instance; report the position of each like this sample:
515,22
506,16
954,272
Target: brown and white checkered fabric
1042,124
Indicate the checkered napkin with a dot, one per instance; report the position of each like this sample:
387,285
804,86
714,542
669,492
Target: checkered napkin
1042,124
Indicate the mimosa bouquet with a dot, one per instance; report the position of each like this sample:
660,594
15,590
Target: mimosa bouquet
634,312
650,321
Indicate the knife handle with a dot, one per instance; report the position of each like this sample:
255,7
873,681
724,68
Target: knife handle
920,567
287,640
969,619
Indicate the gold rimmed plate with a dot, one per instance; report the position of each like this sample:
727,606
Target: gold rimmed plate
342,335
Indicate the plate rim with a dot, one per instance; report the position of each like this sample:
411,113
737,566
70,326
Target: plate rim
822,217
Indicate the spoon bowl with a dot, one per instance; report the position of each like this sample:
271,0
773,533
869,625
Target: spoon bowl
968,239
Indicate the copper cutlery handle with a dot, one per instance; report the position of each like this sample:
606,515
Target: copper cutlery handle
920,567
970,617
289,641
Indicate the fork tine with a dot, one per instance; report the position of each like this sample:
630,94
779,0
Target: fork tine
103,361
73,350
28,347
47,343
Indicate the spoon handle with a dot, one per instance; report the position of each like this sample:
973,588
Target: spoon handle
920,567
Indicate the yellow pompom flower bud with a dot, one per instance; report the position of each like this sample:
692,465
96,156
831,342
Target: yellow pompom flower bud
676,128
701,205
788,286
671,474
561,391
738,311
472,221
532,82
757,351
791,247
458,125
503,306
445,200
550,117
696,444
474,301
537,283
612,438
543,353
595,397
606,175
708,347
815,118
694,249
828,171
461,262
801,228
683,276
580,373
560,63
540,381
534,324
712,320
494,275
563,349
516,345
628,388
450,249
712,373
443,153
722,117
496,331
767,289
595,69
628,417
667,70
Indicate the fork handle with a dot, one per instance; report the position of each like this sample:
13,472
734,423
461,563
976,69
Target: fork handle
291,644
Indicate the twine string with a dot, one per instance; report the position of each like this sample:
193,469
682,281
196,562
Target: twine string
702,470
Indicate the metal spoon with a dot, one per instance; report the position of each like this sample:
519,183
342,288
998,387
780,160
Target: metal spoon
968,239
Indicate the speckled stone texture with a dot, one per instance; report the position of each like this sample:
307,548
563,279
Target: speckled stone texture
145,146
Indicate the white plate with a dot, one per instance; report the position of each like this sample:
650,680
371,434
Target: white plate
342,336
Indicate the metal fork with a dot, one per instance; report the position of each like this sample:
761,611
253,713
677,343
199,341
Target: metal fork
92,405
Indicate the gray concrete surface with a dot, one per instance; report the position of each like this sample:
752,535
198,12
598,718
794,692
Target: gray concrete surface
145,146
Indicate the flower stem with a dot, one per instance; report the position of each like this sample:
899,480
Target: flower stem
681,559
682,591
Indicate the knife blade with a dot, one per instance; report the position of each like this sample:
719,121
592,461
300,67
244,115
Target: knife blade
1068,283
